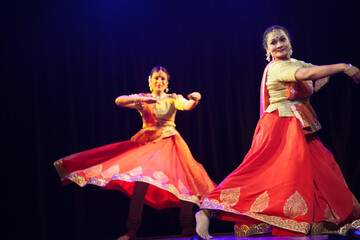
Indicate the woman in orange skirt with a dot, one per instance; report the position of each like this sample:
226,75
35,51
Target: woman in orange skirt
288,183
155,167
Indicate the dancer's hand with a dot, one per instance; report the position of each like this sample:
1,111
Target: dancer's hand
354,73
194,96
149,100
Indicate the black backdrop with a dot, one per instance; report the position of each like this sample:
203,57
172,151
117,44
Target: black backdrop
64,62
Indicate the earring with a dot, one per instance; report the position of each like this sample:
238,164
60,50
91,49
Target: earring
268,56
150,86
167,90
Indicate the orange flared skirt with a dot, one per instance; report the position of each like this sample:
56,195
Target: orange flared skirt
166,165
288,183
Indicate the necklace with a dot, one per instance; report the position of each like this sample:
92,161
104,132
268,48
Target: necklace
163,95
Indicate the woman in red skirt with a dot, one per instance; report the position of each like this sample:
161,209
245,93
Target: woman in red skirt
288,183
155,167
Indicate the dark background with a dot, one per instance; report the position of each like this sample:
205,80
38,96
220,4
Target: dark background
63,63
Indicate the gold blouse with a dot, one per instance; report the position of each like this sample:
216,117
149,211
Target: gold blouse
291,97
159,118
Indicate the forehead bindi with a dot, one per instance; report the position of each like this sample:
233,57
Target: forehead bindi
276,35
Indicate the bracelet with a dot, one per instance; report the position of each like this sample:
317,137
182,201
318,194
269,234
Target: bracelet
194,99
137,101
348,67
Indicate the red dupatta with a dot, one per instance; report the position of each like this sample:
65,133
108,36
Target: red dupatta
264,93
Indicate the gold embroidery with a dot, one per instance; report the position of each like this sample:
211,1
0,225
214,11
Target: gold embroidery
161,177
325,227
182,187
331,216
245,230
295,206
356,211
261,203
288,224
60,169
230,196
93,171
215,205
80,180
97,181
110,172
135,171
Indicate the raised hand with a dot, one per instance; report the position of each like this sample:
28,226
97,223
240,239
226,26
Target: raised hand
194,96
149,100
354,73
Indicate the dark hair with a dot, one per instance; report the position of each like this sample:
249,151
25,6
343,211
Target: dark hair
273,28
158,69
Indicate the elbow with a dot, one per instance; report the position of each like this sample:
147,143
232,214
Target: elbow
118,101
302,74
190,106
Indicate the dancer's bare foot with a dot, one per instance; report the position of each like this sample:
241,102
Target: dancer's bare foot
126,236
202,225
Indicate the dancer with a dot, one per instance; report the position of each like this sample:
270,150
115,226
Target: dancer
155,167
288,183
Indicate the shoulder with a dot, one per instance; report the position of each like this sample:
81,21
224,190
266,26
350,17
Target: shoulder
143,94
282,71
174,96
300,63
281,66
278,64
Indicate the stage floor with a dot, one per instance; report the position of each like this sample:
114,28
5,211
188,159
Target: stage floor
231,236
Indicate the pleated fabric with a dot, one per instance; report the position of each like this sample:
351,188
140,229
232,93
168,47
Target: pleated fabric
167,165
287,184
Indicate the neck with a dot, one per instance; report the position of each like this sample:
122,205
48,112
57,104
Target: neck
158,94
283,59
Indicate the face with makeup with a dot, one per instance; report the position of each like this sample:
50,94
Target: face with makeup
278,44
158,82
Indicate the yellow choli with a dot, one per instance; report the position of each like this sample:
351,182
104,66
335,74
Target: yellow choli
159,118
291,97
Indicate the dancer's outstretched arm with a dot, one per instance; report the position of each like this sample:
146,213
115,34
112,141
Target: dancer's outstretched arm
194,99
318,72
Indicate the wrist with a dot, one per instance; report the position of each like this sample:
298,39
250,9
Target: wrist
137,100
347,67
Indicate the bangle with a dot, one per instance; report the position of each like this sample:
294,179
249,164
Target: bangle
139,101
348,67
194,99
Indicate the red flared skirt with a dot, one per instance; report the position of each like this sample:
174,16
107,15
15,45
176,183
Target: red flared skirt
167,165
286,182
